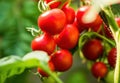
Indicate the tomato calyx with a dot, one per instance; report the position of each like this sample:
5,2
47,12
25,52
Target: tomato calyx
33,31
42,6
45,5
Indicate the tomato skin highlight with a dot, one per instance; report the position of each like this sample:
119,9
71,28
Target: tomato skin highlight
44,42
112,57
52,21
82,12
43,73
99,70
62,60
70,14
92,49
68,38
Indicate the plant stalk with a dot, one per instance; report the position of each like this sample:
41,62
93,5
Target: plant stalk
51,73
116,34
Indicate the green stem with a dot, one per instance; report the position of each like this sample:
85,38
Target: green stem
90,34
117,68
54,76
111,20
104,38
116,34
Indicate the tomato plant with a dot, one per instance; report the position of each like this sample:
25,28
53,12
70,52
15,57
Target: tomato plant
90,31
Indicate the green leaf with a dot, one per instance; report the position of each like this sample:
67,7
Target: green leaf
13,65
116,10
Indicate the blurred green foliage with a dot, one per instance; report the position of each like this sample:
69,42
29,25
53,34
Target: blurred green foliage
15,16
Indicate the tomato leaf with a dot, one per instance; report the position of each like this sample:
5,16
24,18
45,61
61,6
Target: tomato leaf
14,65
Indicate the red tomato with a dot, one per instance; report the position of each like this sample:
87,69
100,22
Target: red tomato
70,14
99,70
97,29
108,32
62,60
68,38
80,29
52,21
53,5
112,57
43,73
81,13
92,49
44,42
118,21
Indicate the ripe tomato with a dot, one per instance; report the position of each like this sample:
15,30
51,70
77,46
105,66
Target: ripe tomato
92,49
52,21
43,73
44,42
62,60
81,13
70,14
112,57
68,38
53,5
80,29
108,32
97,29
117,19
99,70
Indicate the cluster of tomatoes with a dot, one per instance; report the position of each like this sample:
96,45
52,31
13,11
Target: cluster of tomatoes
59,36
94,49
62,28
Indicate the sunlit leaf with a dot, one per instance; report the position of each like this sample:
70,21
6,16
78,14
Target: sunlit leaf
13,65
